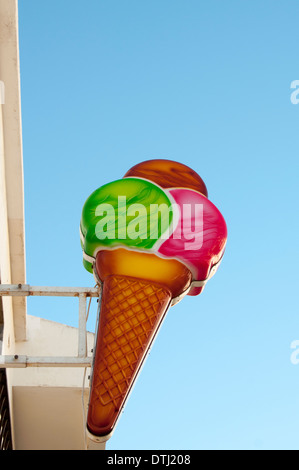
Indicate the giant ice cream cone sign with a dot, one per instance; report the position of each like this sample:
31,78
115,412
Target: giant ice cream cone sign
149,238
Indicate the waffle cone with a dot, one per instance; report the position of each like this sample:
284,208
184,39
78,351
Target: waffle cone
131,311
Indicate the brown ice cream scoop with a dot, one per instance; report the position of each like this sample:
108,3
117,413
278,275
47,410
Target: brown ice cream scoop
168,174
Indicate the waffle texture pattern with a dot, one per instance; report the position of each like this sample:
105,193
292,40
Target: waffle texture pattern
131,312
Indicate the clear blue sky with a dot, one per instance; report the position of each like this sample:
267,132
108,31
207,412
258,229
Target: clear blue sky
107,84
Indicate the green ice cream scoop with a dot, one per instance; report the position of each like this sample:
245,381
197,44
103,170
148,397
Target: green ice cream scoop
129,212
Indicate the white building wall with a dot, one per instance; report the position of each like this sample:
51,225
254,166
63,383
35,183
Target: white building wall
46,404
47,338
50,404
12,250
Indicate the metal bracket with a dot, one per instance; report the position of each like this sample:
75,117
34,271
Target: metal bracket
82,359
22,361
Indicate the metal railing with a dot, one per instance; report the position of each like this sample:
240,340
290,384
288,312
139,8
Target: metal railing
20,361
82,359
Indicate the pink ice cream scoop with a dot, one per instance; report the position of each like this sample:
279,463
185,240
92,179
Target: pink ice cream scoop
199,237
